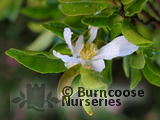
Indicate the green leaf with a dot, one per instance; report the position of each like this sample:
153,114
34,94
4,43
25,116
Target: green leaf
61,48
57,28
152,73
115,31
126,65
102,21
135,7
153,68
83,8
72,1
74,22
92,79
132,36
108,11
144,31
135,78
67,78
42,42
137,61
42,62
125,2
107,73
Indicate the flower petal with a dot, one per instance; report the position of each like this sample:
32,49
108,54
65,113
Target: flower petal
108,52
93,33
126,48
98,65
67,36
79,46
118,47
69,61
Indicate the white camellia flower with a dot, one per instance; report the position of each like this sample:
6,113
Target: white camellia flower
88,54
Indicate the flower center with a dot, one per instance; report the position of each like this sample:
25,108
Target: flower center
88,51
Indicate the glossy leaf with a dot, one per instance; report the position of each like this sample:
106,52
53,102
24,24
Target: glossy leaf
135,78
67,78
83,8
132,36
57,28
137,61
135,7
126,65
101,21
152,73
42,62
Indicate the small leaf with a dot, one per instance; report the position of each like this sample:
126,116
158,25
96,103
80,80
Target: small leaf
137,61
135,78
135,7
102,21
152,73
61,48
132,36
126,65
57,28
83,8
74,22
67,78
107,73
22,95
16,100
42,62
21,105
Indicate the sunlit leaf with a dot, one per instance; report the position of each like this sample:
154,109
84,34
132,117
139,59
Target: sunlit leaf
132,36
137,61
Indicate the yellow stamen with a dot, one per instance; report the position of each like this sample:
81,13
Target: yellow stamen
88,51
